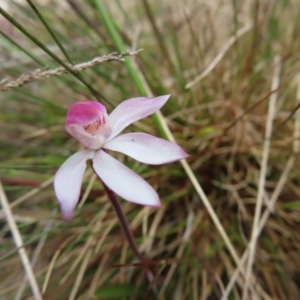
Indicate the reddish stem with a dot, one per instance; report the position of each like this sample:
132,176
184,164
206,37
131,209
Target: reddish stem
125,226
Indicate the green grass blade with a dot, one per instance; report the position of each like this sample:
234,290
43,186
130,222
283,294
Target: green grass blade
49,52
59,44
120,47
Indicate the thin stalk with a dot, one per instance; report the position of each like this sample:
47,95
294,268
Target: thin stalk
124,224
48,51
37,60
33,57
59,44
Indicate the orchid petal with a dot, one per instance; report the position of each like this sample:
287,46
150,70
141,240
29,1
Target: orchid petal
146,148
133,110
123,181
68,180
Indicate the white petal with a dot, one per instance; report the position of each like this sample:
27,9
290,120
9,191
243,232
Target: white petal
146,148
123,181
68,180
133,110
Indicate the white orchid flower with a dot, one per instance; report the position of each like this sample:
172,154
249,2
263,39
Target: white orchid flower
89,123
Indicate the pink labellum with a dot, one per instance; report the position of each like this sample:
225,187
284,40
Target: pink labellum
82,113
88,122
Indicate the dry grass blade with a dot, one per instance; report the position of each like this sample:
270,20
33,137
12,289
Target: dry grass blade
220,55
262,179
29,194
19,244
52,263
80,274
34,259
278,189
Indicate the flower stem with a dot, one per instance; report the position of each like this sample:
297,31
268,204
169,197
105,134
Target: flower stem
126,229
124,224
